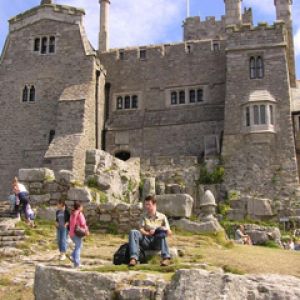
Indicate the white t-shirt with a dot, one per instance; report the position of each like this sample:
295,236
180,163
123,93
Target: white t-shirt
22,188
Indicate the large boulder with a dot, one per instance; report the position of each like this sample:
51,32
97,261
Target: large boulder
210,226
194,284
175,205
42,174
81,194
260,235
217,285
259,207
65,177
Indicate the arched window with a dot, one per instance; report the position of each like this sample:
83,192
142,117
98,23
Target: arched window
173,98
192,96
127,102
123,155
52,44
37,42
252,68
134,101
51,135
181,97
25,94
44,45
119,102
32,93
259,67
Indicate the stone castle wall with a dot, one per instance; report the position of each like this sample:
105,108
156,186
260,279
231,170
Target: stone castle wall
259,162
156,126
64,94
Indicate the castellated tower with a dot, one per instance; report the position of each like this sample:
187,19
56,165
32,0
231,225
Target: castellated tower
104,25
284,13
233,11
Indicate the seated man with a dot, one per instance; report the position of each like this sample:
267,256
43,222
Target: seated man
240,236
154,228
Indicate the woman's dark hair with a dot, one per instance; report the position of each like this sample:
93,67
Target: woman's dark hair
77,205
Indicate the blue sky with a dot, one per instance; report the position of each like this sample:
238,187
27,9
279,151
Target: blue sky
143,22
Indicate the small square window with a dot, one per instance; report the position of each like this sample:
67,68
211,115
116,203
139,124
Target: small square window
121,55
143,54
216,46
173,98
192,96
36,47
119,102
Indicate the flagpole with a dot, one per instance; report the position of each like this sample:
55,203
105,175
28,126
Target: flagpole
187,8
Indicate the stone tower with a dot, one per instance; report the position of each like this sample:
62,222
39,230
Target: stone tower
104,25
233,9
284,13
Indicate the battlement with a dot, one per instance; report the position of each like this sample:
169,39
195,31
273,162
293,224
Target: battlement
57,12
247,35
210,27
152,52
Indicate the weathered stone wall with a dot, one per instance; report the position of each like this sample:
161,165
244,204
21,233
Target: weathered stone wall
210,28
156,127
261,162
64,94
186,284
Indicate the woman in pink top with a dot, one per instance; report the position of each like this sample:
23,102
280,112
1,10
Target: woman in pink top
77,218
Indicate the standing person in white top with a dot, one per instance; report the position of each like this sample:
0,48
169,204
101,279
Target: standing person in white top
22,196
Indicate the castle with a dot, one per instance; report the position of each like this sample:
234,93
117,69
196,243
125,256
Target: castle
228,89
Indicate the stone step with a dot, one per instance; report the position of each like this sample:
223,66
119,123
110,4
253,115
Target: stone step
9,243
11,238
12,232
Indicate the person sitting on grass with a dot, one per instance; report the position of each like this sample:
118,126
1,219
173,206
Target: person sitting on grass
240,236
154,229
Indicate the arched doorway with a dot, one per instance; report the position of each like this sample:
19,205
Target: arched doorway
123,155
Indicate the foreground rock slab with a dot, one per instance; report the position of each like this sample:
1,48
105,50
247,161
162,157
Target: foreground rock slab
194,284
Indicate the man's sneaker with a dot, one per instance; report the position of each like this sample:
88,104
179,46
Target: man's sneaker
132,262
62,257
165,262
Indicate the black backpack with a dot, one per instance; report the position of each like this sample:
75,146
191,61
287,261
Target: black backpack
122,255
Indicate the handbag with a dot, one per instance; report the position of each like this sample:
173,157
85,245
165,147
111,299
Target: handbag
79,231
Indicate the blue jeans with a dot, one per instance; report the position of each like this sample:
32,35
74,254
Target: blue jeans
76,253
136,239
62,235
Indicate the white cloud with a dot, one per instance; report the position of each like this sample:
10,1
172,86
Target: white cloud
133,22
297,42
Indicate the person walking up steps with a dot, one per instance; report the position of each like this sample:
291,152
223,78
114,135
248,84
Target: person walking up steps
62,225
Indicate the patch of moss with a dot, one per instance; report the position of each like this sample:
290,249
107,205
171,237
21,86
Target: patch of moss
233,270
214,177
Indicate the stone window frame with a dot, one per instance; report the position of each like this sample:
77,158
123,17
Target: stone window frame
121,55
216,46
256,70
142,54
134,101
38,47
254,121
30,94
173,96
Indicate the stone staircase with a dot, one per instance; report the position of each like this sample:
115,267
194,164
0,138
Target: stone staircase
10,236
